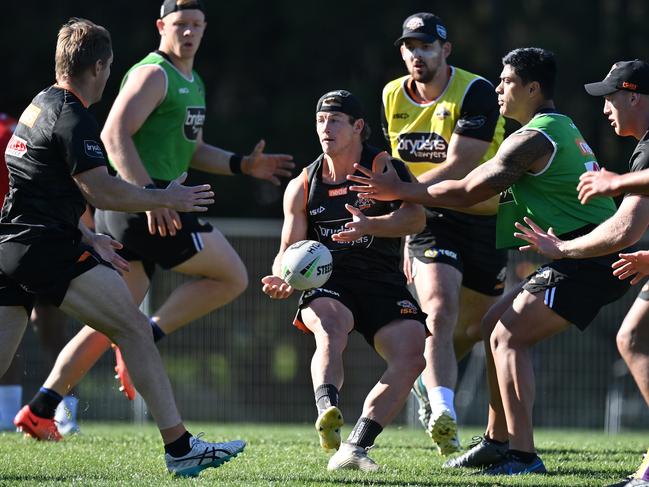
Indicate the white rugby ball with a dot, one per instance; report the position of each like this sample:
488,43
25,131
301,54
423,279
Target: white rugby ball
306,264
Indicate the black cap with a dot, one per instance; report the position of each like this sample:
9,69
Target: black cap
340,101
624,75
169,6
424,26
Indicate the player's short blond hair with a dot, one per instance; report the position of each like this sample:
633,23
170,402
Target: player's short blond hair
80,44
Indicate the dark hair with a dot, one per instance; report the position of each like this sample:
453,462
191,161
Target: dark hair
534,64
80,44
366,132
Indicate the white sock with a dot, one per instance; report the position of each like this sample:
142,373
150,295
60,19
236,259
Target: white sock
441,399
66,411
10,401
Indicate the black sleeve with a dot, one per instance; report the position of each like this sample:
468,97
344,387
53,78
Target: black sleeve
640,158
77,134
384,126
479,112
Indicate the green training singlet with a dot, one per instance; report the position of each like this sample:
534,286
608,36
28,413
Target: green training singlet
167,139
549,197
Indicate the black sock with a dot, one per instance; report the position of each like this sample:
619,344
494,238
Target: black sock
179,447
491,440
365,432
158,334
326,395
523,456
44,403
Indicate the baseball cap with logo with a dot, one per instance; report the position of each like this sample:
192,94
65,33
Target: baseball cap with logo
624,75
170,6
423,26
340,101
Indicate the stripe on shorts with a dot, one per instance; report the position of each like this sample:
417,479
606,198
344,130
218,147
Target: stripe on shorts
198,241
549,297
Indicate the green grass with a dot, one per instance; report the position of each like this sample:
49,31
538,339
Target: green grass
288,455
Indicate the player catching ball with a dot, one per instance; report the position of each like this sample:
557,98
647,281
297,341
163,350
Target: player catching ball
366,291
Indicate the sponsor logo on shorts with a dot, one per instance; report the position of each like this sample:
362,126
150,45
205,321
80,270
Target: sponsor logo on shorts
337,192
321,290
93,149
407,307
433,253
422,147
194,120
591,166
30,115
16,147
317,211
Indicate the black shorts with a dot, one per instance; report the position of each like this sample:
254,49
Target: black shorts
576,289
42,269
373,304
132,230
466,242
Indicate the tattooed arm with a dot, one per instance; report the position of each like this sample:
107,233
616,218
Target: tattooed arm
520,152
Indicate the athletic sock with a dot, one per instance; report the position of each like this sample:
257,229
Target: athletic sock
11,398
365,432
326,395
441,399
44,403
496,442
179,447
158,334
522,456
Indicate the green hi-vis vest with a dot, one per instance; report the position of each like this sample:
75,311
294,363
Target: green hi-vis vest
550,196
419,133
167,139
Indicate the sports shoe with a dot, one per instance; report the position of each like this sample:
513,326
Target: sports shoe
630,482
328,427
35,426
512,466
352,457
643,470
443,430
420,392
123,376
203,455
482,453
65,416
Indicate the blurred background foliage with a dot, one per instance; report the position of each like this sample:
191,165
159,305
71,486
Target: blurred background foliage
266,63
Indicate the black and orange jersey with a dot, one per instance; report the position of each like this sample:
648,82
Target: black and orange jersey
370,257
55,139
419,131
640,158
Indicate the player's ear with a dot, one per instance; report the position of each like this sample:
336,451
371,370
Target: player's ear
534,87
447,47
160,26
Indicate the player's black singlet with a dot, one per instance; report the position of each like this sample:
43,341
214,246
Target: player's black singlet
369,257
56,138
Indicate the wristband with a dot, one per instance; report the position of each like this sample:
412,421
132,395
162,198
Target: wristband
235,164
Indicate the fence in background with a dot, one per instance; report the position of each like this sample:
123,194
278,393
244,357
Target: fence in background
246,362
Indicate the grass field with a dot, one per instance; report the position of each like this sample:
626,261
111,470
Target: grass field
288,455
